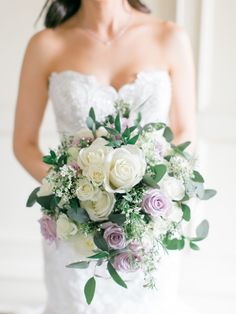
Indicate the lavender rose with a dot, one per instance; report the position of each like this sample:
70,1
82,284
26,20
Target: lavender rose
156,203
127,262
48,228
115,237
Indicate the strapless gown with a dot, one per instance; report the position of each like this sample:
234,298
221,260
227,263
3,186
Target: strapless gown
72,94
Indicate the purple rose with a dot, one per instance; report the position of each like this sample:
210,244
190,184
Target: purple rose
135,246
115,237
127,262
155,203
48,228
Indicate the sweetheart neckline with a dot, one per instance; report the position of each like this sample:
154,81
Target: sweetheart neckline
110,86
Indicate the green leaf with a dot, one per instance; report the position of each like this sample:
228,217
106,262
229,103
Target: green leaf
160,171
133,140
119,219
89,289
92,114
181,244
185,198
49,160
197,177
115,276
208,194
80,265
45,201
183,146
186,212
203,229
168,134
194,246
117,123
79,215
148,180
90,123
113,132
100,255
171,244
32,198
138,119
100,241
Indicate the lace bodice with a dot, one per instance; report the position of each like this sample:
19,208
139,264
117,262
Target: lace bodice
73,93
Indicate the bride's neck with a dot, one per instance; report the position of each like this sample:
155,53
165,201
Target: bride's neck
104,16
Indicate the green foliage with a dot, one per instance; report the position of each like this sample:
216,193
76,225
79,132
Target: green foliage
118,219
117,123
100,241
115,276
182,147
78,265
186,212
202,229
89,289
160,171
168,134
208,194
99,255
194,246
150,181
32,199
197,177
174,244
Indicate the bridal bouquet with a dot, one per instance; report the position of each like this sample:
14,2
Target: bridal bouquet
121,192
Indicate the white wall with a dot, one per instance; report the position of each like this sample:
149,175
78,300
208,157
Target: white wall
211,24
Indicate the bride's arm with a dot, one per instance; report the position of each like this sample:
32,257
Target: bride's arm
182,70
31,103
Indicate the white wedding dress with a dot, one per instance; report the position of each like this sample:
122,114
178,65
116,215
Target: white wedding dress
72,95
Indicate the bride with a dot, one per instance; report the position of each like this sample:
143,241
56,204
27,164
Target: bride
91,53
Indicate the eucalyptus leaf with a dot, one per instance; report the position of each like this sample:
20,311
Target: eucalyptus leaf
79,265
171,244
115,276
32,198
194,246
100,241
208,194
148,180
197,177
79,215
203,229
186,212
89,289
90,123
118,219
160,171
45,201
168,134
180,244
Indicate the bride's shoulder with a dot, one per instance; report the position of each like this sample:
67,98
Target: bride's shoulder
46,39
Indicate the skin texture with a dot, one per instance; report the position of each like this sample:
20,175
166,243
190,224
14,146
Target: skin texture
148,44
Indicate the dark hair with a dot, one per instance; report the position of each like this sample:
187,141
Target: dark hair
58,11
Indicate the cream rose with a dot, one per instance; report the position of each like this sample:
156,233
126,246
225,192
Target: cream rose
175,214
45,189
65,228
86,190
100,208
94,154
73,153
173,187
124,168
86,133
83,245
95,173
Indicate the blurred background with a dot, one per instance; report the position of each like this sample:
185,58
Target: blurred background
207,277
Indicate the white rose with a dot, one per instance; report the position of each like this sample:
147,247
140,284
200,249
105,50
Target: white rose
94,154
100,208
175,214
124,168
86,190
173,187
101,132
160,226
45,188
83,245
65,228
95,173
